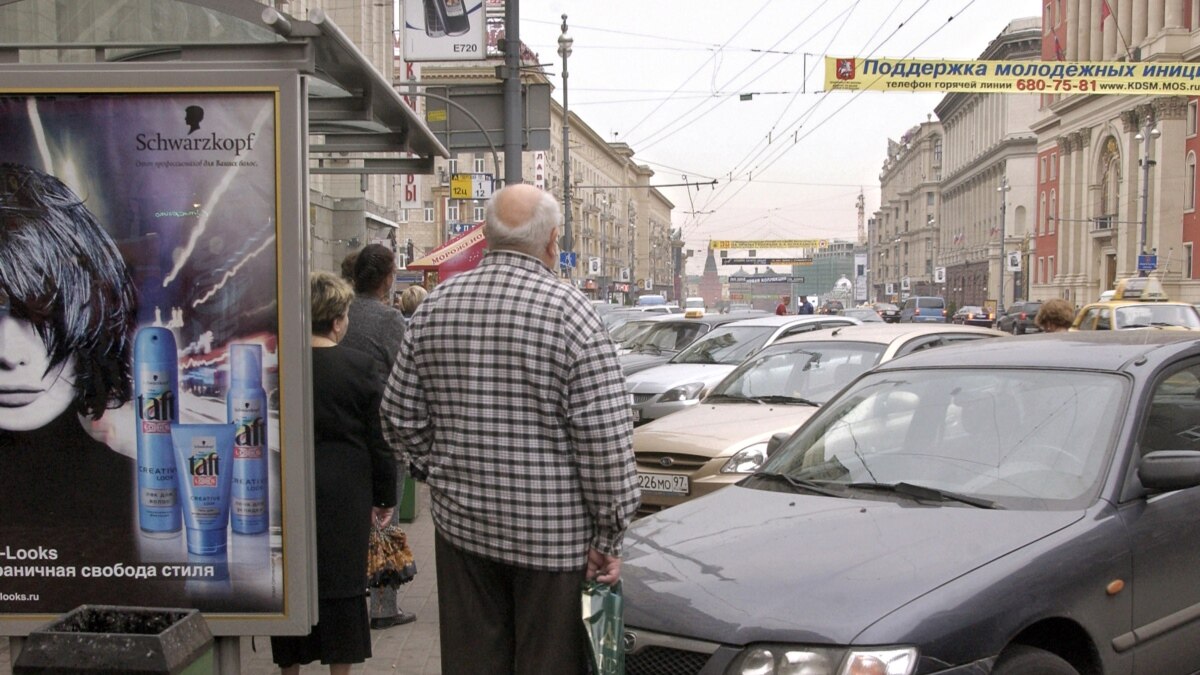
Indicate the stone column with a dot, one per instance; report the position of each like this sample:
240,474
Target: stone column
1072,46
1174,14
1139,24
1154,17
1165,221
1109,31
1124,10
1096,38
1083,30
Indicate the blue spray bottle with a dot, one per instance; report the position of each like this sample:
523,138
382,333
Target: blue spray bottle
247,407
156,395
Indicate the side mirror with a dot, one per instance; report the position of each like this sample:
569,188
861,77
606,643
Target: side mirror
1166,470
776,441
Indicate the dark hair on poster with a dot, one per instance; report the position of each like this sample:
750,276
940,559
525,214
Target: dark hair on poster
63,274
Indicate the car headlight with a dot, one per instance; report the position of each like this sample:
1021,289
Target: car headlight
797,660
747,460
682,393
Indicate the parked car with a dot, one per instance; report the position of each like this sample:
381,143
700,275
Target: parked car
665,338
974,315
629,329
923,309
1018,318
1138,303
718,442
830,307
1010,507
682,381
888,312
863,314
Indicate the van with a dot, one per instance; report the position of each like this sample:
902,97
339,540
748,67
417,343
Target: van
923,309
649,300
693,307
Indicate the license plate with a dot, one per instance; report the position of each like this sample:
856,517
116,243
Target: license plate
637,415
663,483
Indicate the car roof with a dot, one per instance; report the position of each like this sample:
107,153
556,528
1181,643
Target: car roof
776,320
886,333
1084,350
711,319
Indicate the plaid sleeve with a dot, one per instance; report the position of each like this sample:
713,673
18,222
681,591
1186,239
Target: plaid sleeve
404,411
601,429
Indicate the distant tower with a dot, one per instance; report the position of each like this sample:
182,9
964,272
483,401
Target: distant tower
710,282
862,225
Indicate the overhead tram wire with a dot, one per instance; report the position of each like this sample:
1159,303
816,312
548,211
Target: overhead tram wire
681,123
779,154
813,108
702,66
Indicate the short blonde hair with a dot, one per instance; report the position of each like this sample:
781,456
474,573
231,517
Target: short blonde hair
331,296
411,297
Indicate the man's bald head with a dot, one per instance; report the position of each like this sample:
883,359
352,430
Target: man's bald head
521,218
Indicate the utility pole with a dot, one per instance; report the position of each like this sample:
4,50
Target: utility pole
1145,137
513,118
1003,190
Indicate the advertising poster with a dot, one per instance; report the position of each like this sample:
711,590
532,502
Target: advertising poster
444,30
139,342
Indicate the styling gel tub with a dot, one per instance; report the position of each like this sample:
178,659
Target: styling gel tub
204,456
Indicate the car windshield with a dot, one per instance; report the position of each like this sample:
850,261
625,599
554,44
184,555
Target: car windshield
1021,439
670,336
862,314
629,330
729,345
1147,314
971,309
808,372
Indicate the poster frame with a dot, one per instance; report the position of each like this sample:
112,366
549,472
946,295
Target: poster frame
292,264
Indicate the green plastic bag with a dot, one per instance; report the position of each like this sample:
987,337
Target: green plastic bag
605,625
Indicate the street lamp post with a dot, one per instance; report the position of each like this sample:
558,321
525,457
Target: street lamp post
1003,190
1151,132
564,50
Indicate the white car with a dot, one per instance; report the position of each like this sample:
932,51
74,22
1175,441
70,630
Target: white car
725,437
681,382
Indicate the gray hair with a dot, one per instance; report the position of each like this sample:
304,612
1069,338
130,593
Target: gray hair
528,237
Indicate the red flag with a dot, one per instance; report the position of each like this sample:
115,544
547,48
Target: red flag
1105,12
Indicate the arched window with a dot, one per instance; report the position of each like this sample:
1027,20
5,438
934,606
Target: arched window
1040,227
1189,173
1053,216
1110,181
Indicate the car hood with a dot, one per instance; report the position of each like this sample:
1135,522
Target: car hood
661,378
634,362
712,429
742,565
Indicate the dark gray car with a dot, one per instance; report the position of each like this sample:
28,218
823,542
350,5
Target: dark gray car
1019,508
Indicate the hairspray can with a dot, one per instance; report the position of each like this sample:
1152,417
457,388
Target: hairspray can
156,393
247,407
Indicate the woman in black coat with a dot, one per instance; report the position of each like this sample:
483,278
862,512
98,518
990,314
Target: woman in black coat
355,475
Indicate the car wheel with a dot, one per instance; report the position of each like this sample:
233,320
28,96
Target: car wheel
1026,660
1017,330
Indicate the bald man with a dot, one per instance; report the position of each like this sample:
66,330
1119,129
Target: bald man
508,400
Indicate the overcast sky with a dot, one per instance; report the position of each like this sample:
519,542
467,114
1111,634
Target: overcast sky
667,77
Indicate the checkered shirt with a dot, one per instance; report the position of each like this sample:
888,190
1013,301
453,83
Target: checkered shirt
508,396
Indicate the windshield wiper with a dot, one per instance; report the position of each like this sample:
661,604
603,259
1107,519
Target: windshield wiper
923,493
715,398
799,483
786,399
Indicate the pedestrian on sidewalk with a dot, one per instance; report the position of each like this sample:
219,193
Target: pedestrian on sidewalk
355,475
782,307
376,329
509,401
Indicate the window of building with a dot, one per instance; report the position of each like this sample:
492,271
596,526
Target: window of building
1053,166
1042,169
1052,215
1050,269
1041,271
1041,226
402,216
452,210
1189,174
1191,118
929,199
478,165
429,212
452,166
1189,266
478,214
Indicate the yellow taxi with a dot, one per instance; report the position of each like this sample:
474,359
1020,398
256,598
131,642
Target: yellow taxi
1138,302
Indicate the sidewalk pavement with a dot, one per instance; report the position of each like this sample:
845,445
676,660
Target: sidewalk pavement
412,649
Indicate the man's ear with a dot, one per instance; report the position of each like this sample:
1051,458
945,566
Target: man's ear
553,239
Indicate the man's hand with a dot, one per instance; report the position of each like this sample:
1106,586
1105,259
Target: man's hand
380,517
603,568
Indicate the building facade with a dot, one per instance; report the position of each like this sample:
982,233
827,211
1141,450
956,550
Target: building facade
904,233
987,183
1116,175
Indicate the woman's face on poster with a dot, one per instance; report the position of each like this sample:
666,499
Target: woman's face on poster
31,393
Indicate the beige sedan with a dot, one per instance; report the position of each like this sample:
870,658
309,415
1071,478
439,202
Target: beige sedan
724,438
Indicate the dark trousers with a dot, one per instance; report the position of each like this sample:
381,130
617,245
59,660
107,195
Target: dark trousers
499,619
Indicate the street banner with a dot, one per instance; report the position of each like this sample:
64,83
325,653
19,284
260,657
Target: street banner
768,243
1011,77
140,434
